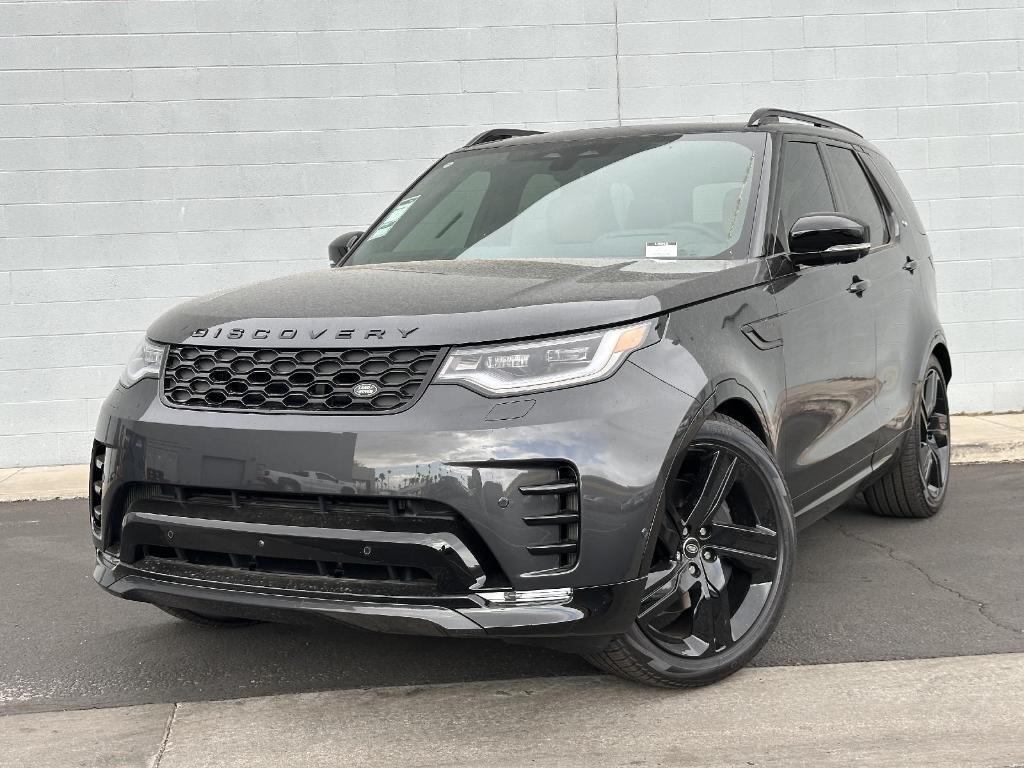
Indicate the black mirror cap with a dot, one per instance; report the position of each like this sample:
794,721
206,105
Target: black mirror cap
340,246
828,238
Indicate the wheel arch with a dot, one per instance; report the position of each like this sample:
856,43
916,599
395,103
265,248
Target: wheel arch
941,352
734,399
739,409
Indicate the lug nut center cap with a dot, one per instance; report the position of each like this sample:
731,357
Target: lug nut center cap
691,548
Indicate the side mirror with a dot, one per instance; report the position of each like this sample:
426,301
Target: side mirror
828,238
340,246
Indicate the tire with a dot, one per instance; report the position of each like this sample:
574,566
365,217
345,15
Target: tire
729,479
910,489
207,620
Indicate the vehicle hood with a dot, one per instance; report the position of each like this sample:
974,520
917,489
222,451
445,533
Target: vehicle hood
447,302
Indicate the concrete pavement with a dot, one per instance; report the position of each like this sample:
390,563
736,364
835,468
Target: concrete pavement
976,439
934,712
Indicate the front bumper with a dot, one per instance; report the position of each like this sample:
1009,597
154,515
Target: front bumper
596,612
472,455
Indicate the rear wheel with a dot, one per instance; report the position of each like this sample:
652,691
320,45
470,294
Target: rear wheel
207,620
916,485
722,564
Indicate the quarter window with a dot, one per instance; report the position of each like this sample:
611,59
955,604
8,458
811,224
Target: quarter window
859,197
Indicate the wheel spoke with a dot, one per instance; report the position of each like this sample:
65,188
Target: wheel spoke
935,465
717,574
717,477
753,549
755,540
711,621
926,457
930,395
942,460
667,602
671,526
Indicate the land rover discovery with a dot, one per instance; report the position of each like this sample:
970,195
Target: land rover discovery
576,388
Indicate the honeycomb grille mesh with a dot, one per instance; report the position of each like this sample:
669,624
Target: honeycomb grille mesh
312,380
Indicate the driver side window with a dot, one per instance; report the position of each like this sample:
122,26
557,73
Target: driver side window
805,188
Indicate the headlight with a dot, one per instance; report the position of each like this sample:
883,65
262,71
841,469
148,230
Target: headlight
534,366
145,363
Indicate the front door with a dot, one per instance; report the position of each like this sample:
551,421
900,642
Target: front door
829,425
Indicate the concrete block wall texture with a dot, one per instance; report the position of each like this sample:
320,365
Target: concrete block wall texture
154,151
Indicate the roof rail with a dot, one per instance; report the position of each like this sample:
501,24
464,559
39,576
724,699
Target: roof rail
772,115
497,134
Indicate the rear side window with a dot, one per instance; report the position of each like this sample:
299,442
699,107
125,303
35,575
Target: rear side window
891,178
858,195
804,184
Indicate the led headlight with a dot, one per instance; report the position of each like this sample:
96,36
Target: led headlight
534,366
144,363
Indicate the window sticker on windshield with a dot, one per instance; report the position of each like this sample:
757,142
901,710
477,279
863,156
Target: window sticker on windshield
392,218
662,250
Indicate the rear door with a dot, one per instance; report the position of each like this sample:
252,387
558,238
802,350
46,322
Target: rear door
895,291
829,423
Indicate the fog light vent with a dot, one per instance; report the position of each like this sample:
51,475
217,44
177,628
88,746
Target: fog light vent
567,519
99,458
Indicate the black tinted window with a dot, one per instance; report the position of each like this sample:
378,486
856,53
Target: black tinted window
804,184
885,171
859,198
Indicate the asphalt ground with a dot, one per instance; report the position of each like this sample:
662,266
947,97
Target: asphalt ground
866,589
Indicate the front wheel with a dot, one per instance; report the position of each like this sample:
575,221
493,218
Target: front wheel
723,559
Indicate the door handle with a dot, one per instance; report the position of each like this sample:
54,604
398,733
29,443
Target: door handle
910,265
858,286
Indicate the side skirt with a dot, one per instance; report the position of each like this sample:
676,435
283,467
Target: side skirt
836,497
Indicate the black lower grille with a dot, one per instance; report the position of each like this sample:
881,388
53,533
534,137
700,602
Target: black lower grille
273,380
416,580
307,562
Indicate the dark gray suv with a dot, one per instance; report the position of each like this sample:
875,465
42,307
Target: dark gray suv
577,389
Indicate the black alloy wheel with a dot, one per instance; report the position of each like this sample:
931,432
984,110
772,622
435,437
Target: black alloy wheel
722,560
933,435
916,484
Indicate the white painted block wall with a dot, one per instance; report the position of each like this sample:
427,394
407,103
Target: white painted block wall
156,150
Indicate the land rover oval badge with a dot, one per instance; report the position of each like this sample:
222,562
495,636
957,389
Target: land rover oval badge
365,389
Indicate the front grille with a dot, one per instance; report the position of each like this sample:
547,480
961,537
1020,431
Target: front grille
269,380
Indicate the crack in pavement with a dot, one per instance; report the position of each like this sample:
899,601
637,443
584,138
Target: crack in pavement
983,608
159,756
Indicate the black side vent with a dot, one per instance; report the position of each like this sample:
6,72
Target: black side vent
99,457
567,490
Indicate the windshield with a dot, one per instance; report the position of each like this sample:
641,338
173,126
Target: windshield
647,197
